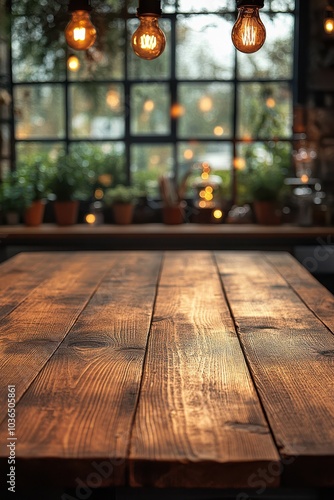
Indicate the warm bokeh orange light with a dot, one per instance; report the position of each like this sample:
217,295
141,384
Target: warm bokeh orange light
218,214
205,104
73,63
218,131
270,102
99,194
329,25
149,106
113,99
188,154
90,218
239,163
177,110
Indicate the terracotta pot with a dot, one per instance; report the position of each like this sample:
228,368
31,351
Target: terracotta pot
33,215
267,213
66,212
123,213
172,214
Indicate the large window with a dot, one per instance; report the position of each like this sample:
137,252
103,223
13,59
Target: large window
200,101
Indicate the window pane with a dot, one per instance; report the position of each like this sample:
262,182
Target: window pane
205,6
109,6
156,68
105,60
204,49
5,141
219,157
207,110
167,6
38,55
105,161
150,109
148,163
39,111
280,5
265,110
97,111
29,152
217,154
275,59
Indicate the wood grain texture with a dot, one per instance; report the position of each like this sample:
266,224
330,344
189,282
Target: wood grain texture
291,356
34,329
16,271
199,422
78,412
314,294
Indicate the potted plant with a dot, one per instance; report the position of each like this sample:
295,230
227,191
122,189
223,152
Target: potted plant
265,187
13,198
33,176
66,182
122,200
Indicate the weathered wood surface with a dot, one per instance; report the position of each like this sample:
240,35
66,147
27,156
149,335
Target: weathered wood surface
314,294
81,405
199,417
195,369
290,354
46,310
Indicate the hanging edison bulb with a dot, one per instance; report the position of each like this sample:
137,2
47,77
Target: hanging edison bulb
329,20
148,41
248,33
80,33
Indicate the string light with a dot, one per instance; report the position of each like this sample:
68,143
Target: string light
248,33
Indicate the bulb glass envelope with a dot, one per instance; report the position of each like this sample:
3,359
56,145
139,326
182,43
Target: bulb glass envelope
249,33
148,41
80,33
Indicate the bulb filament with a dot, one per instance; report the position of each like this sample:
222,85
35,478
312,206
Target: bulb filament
249,35
79,34
148,42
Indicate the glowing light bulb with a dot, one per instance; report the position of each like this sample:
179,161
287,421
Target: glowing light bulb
80,33
248,33
148,41
329,21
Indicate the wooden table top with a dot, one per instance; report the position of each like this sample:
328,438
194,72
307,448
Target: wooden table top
169,369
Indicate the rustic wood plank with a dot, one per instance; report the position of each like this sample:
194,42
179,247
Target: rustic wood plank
199,422
78,412
290,353
314,294
32,332
14,271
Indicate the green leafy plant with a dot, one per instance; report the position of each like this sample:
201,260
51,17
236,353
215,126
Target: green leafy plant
34,177
13,195
68,180
121,194
266,183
